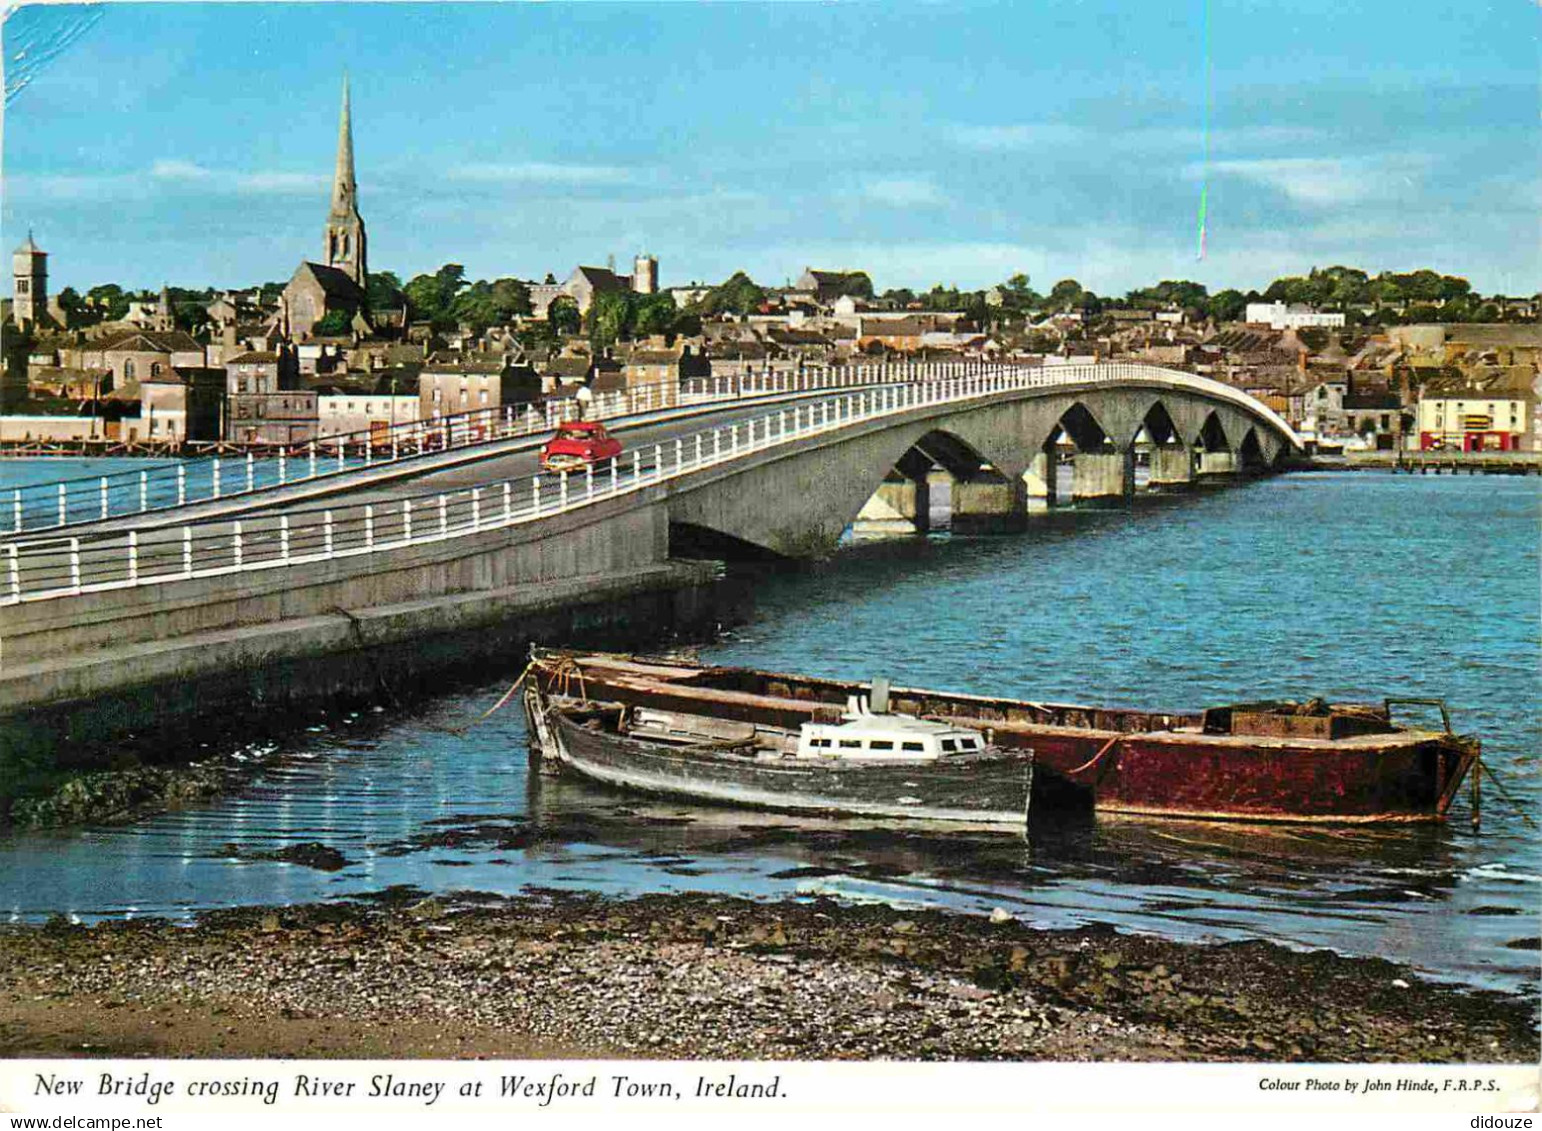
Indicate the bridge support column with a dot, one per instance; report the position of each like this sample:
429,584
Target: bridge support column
1172,468
1039,482
989,506
899,506
1104,476
1217,465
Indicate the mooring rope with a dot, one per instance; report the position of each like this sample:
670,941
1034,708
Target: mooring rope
1505,793
1096,758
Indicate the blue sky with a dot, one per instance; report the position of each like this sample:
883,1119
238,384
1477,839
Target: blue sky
943,142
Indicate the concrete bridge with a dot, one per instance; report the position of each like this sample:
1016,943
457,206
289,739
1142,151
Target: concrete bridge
102,614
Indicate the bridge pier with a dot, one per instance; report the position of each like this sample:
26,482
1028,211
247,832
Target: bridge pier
899,506
1217,465
1040,481
1104,476
1172,468
989,506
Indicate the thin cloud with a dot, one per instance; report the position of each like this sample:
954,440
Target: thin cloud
541,172
902,192
1320,182
264,181
1026,135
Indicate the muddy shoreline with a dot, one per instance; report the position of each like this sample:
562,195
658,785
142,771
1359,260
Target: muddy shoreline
696,976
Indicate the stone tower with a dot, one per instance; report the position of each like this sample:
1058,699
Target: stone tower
345,246
645,275
29,277
165,314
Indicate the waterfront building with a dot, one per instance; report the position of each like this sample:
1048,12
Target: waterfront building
1280,316
1493,409
264,400
342,411
452,384
181,404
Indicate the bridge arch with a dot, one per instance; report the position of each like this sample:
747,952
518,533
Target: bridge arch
1001,455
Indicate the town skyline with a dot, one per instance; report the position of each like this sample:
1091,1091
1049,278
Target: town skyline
171,194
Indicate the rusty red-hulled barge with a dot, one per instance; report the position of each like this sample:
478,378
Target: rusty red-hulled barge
1311,762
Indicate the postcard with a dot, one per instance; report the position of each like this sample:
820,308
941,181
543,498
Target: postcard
759,559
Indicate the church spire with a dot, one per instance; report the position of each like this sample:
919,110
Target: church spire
345,248
345,190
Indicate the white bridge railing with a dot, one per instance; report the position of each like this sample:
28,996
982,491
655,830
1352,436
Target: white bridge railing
59,567
264,467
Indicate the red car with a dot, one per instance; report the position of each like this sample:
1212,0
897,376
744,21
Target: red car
579,443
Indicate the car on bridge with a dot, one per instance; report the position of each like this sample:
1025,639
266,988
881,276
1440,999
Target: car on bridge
579,443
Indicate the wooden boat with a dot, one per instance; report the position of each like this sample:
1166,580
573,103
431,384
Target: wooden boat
1277,761
867,764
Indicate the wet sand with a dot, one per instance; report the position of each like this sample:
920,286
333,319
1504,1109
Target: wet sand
690,976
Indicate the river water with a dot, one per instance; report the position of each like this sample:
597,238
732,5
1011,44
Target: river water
1354,585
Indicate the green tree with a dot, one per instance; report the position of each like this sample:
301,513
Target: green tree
738,294
190,316
110,299
610,317
333,324
654,314
430,297
856,284
1017,296
383,290
1066,295
76,312
1226,306
563,317
484,304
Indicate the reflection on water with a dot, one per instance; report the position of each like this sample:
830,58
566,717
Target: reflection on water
1238,594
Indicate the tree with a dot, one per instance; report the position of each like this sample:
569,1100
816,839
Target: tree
1017,296
562,316
738,294
110,300
610,317
654,314
1066,295
856,284
431,296
333,324
485,304
383,290
190,316
74,307
1226,306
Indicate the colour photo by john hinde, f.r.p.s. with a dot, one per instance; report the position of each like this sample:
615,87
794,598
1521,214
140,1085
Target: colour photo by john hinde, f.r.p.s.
760,559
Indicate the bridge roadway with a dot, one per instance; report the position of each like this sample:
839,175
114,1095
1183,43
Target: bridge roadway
458,551
386,504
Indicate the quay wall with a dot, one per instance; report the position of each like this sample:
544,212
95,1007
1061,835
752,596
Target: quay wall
71,714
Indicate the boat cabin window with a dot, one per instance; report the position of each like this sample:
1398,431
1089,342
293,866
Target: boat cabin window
823,742
917,746
850,744
879,744
949,746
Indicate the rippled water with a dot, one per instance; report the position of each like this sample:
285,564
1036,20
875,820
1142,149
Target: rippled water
1352,586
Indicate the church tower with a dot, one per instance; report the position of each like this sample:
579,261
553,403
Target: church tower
345,227
29,278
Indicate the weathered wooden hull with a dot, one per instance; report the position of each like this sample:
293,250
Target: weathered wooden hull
984,789
1139,762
